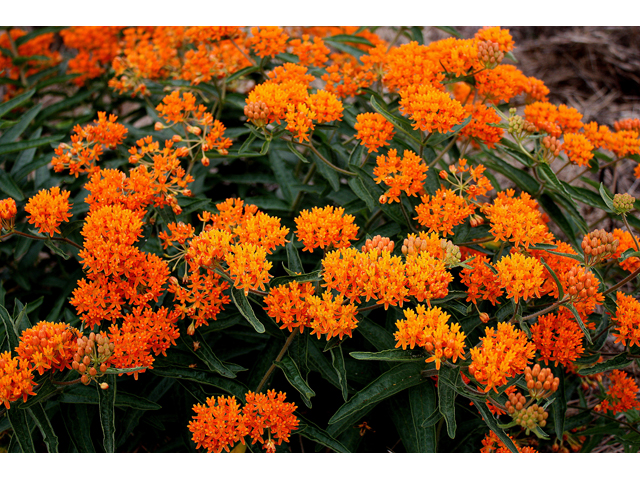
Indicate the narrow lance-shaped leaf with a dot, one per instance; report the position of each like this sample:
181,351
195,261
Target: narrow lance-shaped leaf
337,360
240,301
291,371
106,402
42,421
447,378
21,430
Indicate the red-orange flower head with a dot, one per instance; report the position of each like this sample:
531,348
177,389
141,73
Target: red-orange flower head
627,320
504,353
325,227
48,209
267,41
47,345
621,395
8,212
578,148
331,316
431,109
405,174
374,131
443,211
248,267
288,305
430,329
521,276
16,379
218,425
558,338
269,412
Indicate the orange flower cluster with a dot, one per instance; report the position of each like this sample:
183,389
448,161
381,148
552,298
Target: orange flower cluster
203,298
553,120
521,276
46,346
310,53
325,227
16,379
96,46
374,131
480,280
248,266
473,190
431,109
88,144
430,329
288,305
558,338
480,128
501,83
516,220
427,277
48,209
331,316
8,212
578,148
267,41
443,211
405,174
221,423
504,353
625,242
621,394
627,320
492,444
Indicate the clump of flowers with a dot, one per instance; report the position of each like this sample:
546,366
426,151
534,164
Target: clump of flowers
443,211
431,109
331,316
405,174
627,320
325,227
621,395
47,345
374,131
558,338
288,305
8,212
16,379
520,276
48,209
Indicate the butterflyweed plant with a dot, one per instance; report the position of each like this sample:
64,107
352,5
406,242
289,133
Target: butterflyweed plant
264,239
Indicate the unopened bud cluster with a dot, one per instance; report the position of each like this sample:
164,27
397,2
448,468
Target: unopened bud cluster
489,54
90,359
476,220
518,126
581,284
623,203
540,382
598,245
378,243
551,147
451,253
413,245
257,113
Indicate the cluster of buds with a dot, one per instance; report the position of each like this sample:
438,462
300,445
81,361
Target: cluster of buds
518,126
91,357
257,113
476,220
413,245
452,254
8,212
581,284
489,54
528,417
573,442
598,245
540,382
378,243
623,203
551,147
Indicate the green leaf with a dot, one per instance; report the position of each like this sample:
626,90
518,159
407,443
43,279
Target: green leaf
416,34
586,196
523,180
240,301
209,358
17,130
451,31
379,337
64,105
21,430
242,73
393,355
349,39
357,187
15,102
293,258
356,52
399,123
9,186
557,216
77,422
9,328
42,421
448,377
292,148
106,402
200,376
423,403
355,158
581,324
291,371
491,422
389,383
549,175
56,249
327,172
555,278
306,277
316,434
619,362
337,360
559,406
605,196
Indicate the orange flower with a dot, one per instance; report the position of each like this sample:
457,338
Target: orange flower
597,135
267,41
627,320
427,277
16,379
177,109
329,316
218,425
290,73
578,148
497,35
8,211
627,124
430,329
248,267
47,345
558,338
412,64
48,209
261,229
500,83
288,305
621,394
180,233
202,299
492,444
270,412
209,248
624,143
543,115
373,130
536,90
569,119
310,53
325,106
97,47
277,97
520,276
431,109
517,220
625,242
325,227
300,121
504,353
405,174
443,211
480,280
479,127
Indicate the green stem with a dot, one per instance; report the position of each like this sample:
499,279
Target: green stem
545,310
22,234
626,223
371,220
327,162
579,175
562,168
395,39
622,282
278,358
406,217
445,150
622,422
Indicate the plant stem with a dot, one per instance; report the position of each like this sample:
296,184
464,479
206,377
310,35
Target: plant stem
22,234
562,168
278,358
475,242
622,282
395,39
327,162
244,54
406,217
626,223
546,310
373,218
622,422
445,150
579,175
